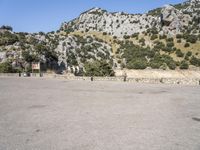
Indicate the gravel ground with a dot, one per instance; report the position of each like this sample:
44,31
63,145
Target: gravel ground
52,114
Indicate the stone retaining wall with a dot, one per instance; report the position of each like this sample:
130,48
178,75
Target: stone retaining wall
181,81
9,74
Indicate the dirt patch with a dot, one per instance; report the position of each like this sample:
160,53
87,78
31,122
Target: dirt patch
196,119
37,106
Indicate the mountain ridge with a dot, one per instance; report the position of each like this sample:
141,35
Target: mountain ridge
163,38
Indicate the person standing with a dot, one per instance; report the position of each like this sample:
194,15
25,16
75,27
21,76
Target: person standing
92,78
125,77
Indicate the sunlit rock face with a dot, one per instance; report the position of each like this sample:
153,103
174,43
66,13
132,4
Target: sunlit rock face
115,24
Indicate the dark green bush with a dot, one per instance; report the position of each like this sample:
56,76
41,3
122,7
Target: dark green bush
115,37
142,40
137,64
189,53
162,60
184,65
172,65
154,36
179,53
7,38
186,58
179,41
179,36
187,45
154,30
9,28
170,40
155,12
135,35
170,44
6,67
159,45
126,37
168,49
192,39
28,57
104,33
162,37
98,68
195,61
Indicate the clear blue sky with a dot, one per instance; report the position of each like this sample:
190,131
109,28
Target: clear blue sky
47,15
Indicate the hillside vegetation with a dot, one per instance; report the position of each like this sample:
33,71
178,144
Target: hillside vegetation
99,42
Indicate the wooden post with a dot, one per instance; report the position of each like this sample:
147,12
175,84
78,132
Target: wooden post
32,67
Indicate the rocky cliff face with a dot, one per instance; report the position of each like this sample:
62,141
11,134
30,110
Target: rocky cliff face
170,20
115,24
75,50
173,20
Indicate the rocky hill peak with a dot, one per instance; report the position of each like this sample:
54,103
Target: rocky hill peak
194,1
115,24
96,9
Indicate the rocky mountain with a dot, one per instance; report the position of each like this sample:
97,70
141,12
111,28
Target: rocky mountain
167,20
115,24
163,38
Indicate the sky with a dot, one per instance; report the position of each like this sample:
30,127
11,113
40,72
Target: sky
47,15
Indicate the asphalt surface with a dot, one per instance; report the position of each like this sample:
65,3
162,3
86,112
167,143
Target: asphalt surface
52,114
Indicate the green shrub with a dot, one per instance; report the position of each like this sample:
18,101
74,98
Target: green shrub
184,65
6,67
159,45
195,61
172,65
170,44
181,6
115,37
168,49
192,39
137,64
155,12
163,66
187,45
98,68
179,36
7,38
28,57
186,58
104,33
126,37
169,61
154,36
154,30
170,40
162,37
132,51
142,40
161,61
189,53
9,28
136,57
156,62
155,65
135,35
179,41
179,53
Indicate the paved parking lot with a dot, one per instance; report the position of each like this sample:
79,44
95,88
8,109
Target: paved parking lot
52,114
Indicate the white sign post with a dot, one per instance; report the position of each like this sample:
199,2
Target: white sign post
36,66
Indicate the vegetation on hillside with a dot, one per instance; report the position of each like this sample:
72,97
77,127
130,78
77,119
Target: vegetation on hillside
98,68
99,52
